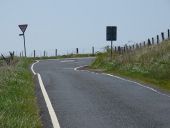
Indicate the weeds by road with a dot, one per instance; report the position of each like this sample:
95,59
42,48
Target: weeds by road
148,64
18,108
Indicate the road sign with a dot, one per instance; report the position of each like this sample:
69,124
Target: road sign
23,27
111,33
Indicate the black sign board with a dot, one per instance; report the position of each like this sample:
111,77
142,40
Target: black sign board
23,27
111,33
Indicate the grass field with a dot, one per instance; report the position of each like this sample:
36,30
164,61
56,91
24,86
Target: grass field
149,65
18,108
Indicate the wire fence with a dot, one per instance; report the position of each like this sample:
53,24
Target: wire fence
59,52
92,50
148,42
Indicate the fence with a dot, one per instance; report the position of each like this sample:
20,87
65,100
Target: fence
150,41
58,52
9,59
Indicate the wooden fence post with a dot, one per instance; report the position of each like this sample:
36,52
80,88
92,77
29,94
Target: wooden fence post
115,49
11,55
34,53
56,52
93,50
149,42
152,40
44,53
124,49
119,49
144,43
163,38
7,60
157,39
77,51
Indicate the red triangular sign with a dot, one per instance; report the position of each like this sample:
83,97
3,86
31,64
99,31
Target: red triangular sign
23,27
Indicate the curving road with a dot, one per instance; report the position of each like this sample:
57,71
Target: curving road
83,99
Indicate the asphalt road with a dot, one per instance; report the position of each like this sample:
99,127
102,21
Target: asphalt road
83,99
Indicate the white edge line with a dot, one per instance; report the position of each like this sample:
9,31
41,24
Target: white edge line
48,103
47,100
32,67
152,89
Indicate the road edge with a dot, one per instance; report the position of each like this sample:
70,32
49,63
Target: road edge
124,79
50,108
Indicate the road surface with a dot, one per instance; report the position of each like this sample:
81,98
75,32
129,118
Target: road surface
83,99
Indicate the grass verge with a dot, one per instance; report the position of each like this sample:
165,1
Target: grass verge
150,65
18,108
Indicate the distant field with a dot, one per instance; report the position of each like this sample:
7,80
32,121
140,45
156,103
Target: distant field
18,108
150,64
66,56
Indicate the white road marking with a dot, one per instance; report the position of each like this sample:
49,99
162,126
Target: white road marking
76,68
48,103
152,89
50,108
32,67
66,61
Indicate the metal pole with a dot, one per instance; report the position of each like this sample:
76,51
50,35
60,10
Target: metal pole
24,45
111,50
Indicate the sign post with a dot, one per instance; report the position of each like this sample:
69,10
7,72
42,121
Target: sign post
23,27
111,35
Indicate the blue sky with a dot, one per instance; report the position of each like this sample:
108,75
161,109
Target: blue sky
66,25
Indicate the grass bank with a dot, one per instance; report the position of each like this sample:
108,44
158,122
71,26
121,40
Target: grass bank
149,65
18,108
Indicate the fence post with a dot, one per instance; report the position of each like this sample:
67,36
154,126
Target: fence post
115,49
56,52
163,38
168,33
124,49
44,53
77,51
144,43
11,55
119,49
157,39
7,60
149,42
34,53
152,40
93,50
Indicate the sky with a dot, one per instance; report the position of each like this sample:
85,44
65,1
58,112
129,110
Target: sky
67,25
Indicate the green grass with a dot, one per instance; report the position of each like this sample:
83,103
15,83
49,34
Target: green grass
18,108
149,65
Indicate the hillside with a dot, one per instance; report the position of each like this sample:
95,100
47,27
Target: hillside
149,64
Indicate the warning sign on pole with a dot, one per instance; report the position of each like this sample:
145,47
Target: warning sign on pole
23,27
